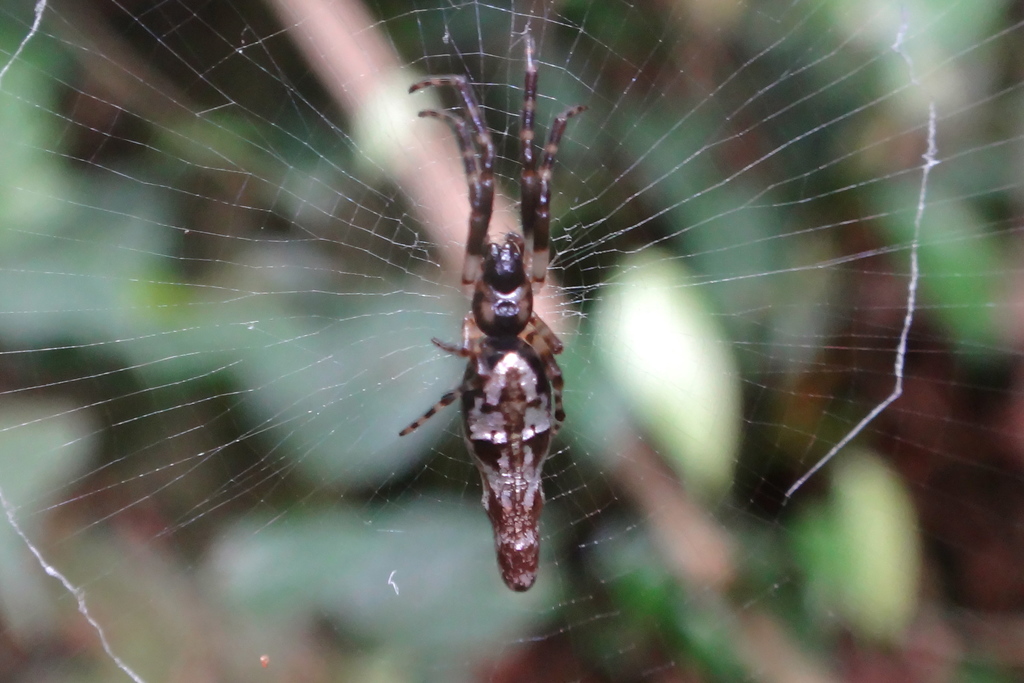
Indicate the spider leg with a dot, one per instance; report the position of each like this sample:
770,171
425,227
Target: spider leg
546,344
470,339
554,375
462,134
446,400
528,182
480,176
451,348
534,184
541,219
545,333
557,385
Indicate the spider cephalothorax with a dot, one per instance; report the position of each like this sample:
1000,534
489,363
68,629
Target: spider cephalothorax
512,389
503,300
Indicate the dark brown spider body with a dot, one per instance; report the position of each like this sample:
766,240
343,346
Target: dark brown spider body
512,388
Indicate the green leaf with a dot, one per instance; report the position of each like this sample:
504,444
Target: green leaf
670,359
421,577
960,264
861,551
43,445
332,392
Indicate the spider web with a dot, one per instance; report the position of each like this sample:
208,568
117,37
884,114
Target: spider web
784,269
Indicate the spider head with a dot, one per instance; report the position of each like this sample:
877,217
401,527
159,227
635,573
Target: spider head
503,301
503,267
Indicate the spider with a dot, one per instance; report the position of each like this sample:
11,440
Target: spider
511,391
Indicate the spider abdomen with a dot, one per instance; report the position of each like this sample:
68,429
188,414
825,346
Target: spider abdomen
508,424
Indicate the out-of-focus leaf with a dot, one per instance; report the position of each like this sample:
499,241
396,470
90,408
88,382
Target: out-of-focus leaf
421,578
332,393
43,444
960,266
983,671
596,417
668,357
31,184
728,234
656,603
930,34
86,294
878,526
861,551
386,123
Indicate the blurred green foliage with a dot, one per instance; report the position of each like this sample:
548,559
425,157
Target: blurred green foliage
214,323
